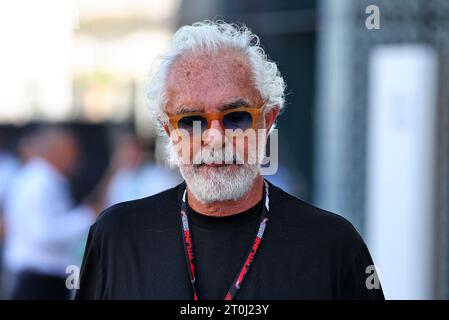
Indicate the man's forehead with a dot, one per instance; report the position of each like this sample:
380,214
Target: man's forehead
223,58
202,79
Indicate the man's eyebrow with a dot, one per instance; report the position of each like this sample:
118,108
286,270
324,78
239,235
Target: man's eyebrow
187,109
235,104
230,105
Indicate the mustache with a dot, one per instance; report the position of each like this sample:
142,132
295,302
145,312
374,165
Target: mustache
215,156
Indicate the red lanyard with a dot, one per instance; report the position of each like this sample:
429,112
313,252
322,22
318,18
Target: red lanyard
244,269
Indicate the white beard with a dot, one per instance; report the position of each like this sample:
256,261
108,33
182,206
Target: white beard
210,184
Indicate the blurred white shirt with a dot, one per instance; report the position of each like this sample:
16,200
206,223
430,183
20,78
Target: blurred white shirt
44,230
8,167
144,181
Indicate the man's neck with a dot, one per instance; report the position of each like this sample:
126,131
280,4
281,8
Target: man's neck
229,207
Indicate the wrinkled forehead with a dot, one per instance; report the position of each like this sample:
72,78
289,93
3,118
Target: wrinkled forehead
204,81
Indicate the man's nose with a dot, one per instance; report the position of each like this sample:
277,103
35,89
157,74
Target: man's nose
215,133
216,124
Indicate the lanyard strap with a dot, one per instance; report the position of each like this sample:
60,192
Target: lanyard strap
245,267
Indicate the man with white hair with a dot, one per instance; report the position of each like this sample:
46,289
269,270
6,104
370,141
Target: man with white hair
224,233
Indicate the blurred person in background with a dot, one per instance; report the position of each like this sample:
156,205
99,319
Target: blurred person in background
43,225
8,167
144,178
28,145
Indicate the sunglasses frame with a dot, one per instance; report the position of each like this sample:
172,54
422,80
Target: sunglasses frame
255,115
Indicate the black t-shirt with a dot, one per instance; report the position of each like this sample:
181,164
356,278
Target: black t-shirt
222,243
135,251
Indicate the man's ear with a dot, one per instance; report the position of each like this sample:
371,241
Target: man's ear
271,116
165,126
168,129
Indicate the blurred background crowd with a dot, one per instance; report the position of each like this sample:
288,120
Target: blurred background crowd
365,132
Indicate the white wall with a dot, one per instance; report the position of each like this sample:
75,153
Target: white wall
401,157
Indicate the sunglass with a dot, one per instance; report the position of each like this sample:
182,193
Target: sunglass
238,118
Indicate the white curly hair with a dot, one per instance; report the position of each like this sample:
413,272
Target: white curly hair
211,36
